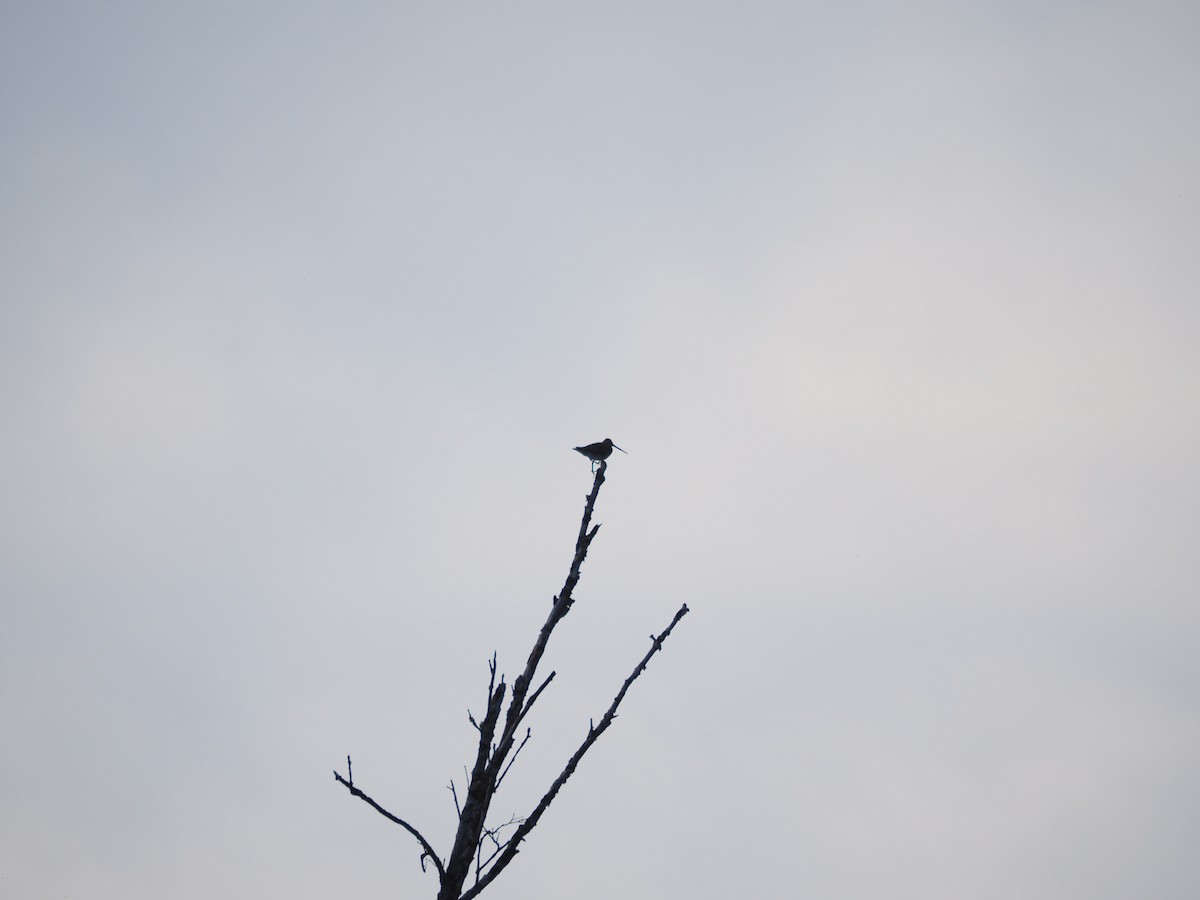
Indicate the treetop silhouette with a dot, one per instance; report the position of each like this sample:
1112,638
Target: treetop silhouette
489,849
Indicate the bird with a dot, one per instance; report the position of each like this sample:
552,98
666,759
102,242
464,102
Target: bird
599,451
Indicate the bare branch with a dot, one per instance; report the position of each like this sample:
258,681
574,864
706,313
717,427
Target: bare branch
594,732
516,707
516,753
387,815
535,695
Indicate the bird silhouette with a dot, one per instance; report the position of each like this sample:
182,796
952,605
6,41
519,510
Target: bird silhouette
599,451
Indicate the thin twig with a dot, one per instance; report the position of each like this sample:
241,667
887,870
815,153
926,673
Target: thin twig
499,849
492,833
535,695
516,753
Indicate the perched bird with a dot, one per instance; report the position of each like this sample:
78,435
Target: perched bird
598,452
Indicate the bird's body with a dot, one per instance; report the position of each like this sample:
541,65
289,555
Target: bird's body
599,451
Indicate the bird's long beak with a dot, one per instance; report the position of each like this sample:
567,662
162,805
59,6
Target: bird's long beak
621,450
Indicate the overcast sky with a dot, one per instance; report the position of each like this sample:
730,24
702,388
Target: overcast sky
894,307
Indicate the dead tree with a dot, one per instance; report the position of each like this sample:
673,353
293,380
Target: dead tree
488,849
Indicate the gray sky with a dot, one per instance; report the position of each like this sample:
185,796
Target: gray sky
893,306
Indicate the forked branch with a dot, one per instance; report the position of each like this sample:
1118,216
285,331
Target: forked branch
512,847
